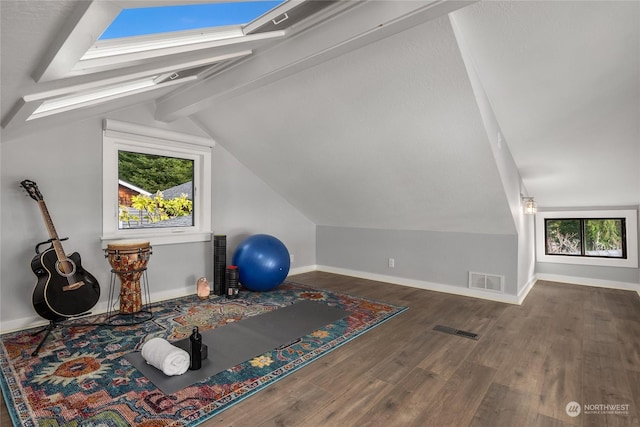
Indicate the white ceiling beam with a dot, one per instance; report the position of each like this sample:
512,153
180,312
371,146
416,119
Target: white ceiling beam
356,27
75,39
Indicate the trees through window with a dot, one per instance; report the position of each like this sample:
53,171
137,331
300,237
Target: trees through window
590,237
156,184
154,190
595,237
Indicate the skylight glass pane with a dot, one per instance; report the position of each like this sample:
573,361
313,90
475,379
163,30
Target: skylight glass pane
164,19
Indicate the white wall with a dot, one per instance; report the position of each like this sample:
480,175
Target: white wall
66,163
426,259
590,275
245,205
510,176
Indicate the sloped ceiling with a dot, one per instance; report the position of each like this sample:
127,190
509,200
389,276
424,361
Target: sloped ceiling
387,136
564,81
387,133
27,28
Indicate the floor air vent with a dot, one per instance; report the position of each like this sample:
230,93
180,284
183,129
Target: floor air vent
454,331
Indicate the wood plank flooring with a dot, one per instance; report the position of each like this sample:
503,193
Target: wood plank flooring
565,343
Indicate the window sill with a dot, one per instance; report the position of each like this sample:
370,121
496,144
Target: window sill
157,239
601,262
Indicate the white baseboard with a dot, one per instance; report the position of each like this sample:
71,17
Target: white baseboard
430,286
585,281
525,291
36,321
22,323
301,270
102,306
510,299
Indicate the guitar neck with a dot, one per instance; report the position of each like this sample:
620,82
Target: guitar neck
53,235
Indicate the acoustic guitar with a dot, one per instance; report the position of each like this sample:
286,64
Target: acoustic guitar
64,289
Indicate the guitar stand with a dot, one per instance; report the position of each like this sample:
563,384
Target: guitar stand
50,327
50,242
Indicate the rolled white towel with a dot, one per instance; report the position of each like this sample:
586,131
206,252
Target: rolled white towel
161,354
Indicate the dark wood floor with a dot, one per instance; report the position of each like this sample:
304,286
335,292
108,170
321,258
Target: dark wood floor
565,343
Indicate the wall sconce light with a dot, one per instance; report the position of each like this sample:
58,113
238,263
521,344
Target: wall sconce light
529,205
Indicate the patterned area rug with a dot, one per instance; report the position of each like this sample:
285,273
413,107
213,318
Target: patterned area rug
81,377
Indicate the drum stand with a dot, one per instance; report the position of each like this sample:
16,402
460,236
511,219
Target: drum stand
127,319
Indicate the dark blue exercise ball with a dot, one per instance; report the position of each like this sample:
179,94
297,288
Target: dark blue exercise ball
263,262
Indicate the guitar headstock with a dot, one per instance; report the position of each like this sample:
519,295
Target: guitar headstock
32,190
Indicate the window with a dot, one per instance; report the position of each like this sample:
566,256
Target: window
591,237
54,102
170,201
156,184
104,36
605,238
112,35
164,19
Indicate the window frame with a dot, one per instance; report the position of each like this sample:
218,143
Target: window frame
155,62
175,18
630,218
583,252
65,57
131,137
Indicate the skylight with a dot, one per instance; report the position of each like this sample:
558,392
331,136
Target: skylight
164,19
88,98
166,43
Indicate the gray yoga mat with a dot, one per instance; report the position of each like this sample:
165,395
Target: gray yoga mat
240,341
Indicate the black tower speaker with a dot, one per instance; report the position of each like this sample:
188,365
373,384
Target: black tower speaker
219,263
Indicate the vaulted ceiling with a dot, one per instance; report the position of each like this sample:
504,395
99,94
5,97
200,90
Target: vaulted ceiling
368,118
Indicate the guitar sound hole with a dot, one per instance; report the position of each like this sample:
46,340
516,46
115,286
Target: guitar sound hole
66,268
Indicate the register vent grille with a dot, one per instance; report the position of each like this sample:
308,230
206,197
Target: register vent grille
486,282
458,332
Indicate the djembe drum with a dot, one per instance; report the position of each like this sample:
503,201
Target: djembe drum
128,259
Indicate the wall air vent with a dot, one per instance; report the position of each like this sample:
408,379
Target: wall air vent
486,282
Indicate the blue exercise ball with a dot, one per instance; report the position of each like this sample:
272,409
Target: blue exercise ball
263,262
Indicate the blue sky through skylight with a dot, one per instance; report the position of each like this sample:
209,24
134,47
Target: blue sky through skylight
163,19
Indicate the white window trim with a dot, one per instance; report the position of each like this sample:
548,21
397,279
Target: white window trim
119,135
81,32
631,223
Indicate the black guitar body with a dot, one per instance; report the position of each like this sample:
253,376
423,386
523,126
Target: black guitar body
59,295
